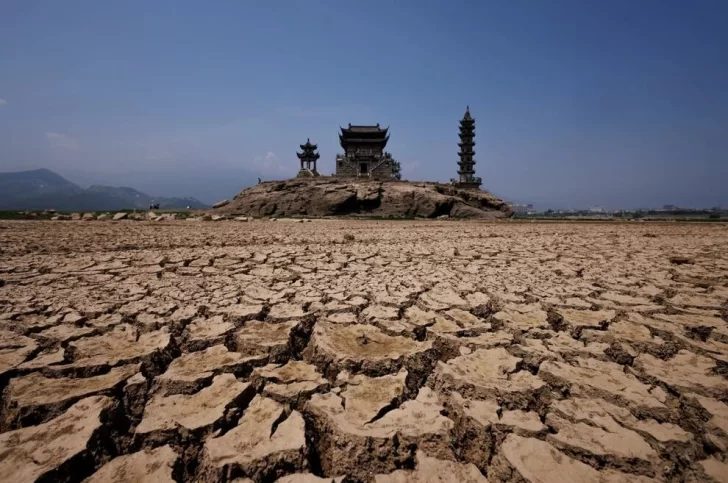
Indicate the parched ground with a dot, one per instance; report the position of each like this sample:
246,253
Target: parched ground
363,351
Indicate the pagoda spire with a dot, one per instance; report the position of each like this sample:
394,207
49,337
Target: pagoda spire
308,157
466,164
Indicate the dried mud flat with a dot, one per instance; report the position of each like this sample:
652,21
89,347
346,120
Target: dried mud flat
416,351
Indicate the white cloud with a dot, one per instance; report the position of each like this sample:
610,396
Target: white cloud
3,102
409,168
62,141
270,165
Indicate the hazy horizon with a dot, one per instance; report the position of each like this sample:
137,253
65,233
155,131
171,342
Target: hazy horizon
620,104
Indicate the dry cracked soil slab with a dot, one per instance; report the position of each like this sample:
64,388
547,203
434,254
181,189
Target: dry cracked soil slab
147,466
363,351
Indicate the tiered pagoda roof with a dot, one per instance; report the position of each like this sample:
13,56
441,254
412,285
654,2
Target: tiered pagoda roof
466,153
308,153
467,135
371,135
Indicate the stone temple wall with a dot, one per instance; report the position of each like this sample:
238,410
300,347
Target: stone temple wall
348,169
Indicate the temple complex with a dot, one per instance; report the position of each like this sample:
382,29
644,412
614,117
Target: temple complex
364,153
308,157
466,171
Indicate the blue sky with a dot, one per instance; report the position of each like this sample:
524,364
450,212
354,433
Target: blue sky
577,102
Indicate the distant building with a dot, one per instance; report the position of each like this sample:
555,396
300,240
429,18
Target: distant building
669,207
521,209
364,153
596,209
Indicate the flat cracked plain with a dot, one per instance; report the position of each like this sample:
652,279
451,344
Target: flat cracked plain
363,351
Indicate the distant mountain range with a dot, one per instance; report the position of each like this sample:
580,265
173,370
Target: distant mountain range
42,189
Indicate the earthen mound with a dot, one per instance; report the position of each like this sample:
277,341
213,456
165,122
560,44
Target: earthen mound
342,197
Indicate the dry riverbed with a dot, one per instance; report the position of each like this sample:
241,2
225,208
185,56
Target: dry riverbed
363,351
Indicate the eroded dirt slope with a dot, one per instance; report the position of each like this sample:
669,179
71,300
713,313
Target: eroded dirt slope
416,351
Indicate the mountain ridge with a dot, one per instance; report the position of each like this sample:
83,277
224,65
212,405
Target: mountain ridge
42,189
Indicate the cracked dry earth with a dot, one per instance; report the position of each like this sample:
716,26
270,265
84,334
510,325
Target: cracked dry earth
419,351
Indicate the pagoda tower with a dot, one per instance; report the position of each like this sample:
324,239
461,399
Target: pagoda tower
466,171
308,157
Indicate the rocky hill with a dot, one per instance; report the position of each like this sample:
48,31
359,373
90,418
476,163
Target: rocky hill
340,196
